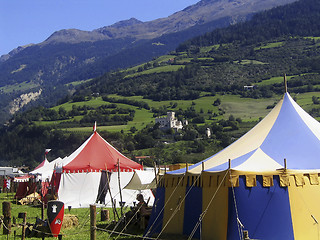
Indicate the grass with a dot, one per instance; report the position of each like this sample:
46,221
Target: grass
274,80
94,102
161,69
208,48
77,83
22,66
313,38
82,231
247,61
245,108
269,45
18,87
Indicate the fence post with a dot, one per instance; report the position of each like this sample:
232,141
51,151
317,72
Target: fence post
93,221
105,216
23,235
6,211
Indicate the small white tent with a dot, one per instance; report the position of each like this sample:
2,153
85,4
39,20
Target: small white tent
45,169
142,180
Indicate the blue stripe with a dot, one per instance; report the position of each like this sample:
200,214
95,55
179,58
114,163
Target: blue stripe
156,218
264,211
234,163
292,139
192,211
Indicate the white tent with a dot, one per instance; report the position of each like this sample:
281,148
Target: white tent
142,180
45,170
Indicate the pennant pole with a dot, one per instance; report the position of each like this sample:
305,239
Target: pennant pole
120,190
46,153
95,126
285,84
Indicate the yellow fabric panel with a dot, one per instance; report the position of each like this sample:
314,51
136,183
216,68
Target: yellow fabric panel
206,181
215,221
174,208
314,178
267,181
185,181
251,181
284,180
299,179
233,181
305,203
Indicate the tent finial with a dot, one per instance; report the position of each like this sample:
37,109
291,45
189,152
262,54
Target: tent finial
285,164
285,83
95,126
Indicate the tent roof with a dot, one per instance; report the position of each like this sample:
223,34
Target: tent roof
142,180
42,164
287,132
97,154
45,169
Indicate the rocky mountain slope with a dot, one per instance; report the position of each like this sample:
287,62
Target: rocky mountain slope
203,12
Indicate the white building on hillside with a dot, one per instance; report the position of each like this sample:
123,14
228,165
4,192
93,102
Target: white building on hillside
170,121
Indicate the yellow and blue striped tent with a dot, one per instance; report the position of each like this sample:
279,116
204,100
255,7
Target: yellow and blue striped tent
263,186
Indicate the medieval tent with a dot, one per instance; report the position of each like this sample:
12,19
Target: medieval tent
264,186
91,175
45,169
28,183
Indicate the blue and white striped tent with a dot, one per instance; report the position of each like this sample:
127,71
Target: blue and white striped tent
249,187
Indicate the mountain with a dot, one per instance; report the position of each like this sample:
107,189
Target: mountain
203,12
72,55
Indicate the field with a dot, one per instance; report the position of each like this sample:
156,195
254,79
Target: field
82,231
245,108
161,69
18,87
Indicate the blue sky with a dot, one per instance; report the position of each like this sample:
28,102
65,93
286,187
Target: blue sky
32,21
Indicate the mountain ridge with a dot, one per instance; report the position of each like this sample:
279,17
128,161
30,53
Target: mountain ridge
199,13
75,55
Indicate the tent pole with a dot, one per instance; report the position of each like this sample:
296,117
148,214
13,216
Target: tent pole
155,172
121,203
285,83
115,213
285,164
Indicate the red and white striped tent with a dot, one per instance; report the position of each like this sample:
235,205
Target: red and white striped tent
83,176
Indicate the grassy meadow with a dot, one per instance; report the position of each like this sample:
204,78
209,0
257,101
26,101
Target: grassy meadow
79,232
247,109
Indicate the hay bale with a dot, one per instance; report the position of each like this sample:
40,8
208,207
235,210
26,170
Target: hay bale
70,221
